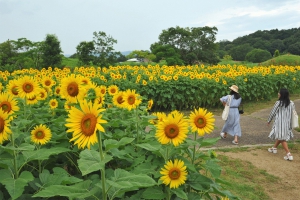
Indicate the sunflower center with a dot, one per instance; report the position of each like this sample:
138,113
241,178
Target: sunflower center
171,131
200,122
47,82
27,87
14,90
174,174
120,100
113,90
131,100
73,89
1,124
40,134
53,103
88,124
6,107
57,91
103,91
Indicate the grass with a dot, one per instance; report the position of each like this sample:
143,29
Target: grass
70,62
287,59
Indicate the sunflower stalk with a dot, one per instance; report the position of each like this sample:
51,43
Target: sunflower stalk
102,171
137,127
15,159
194,149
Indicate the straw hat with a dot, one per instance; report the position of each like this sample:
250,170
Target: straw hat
234,88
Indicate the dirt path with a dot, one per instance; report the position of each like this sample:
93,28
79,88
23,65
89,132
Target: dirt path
288,187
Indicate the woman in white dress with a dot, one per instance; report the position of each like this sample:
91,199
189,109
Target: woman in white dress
282,128
232,124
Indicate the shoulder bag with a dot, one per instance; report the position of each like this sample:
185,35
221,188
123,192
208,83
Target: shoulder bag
295,121
226,108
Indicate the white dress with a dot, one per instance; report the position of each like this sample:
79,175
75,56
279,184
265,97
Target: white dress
232,124
282,126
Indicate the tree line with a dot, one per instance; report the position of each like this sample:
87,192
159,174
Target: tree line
261,45
175,46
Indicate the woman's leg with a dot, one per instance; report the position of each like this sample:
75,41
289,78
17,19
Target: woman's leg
277,143
285,146
236,138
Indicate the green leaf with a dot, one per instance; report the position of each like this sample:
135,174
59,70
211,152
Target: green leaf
199,182
22,147
124,179
90,161
78,191
110,144
208,141
15,187
43,154
179,193
154,193
214,168
150,146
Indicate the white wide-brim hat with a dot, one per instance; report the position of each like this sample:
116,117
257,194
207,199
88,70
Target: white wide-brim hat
234,88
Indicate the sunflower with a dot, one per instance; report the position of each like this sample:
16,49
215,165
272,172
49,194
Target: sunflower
4,126
172,129
84,123
150,104
11,87
174,173
201,121
43,94
71,88
113,89
118,99
160,116
53,103
8,103
41,134
131,99
57,90
100,100
32,100
47,82
102,89
27,87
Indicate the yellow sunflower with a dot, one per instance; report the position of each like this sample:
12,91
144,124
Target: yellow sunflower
172,129
53,103
57,90
202,121
84,123
71,88
12,87
131,99
32,100
102,89
150,104
174,174
113,89
27,87
118,99
41,134
47,81
160,116
43,94
4,126
8,103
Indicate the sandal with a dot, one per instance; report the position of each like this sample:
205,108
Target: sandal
234,142
288,157
223,135
272,150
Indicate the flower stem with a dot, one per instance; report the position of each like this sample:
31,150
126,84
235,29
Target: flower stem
194,150
137,127
15,158
102,171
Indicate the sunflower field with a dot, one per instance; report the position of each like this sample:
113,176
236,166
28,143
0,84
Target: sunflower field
88,133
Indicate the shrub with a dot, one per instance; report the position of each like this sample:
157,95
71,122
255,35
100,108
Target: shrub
258,55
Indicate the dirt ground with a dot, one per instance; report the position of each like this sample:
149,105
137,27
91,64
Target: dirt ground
288,187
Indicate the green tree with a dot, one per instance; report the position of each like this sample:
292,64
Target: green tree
167,53
258,55
276,53
84,52
51,51
294,48
192,44
142,55
7,54
104,50
239,52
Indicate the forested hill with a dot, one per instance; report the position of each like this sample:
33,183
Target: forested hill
285,41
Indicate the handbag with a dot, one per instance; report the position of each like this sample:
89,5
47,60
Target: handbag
295,121
226,108
241,109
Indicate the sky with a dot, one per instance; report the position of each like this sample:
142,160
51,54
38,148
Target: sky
136,24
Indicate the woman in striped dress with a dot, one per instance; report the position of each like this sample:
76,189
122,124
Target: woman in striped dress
282,128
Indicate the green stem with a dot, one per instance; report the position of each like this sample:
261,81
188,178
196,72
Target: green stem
15,158
194,150
102,171
137,127
168,193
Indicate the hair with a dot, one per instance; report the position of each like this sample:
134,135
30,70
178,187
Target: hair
236,95
284,97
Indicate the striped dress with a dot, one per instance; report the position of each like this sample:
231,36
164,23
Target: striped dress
282,126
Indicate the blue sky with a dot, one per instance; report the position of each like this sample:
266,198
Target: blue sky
136,24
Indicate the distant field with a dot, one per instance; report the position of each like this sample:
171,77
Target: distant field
70,62
288,59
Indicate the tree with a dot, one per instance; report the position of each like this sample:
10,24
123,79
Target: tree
142,55
239,52
7,53
258,55
276,53
104,50
192,44
294,48
84,52
166,52
277,44
51,51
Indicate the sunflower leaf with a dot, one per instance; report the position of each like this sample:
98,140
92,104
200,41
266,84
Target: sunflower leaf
208,141
90,161
15,187
43,154
110,144
179,193
154,193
